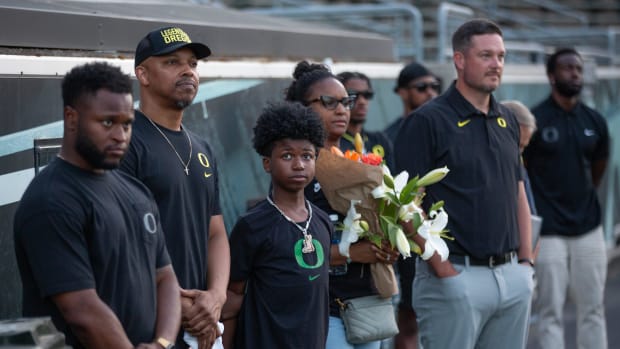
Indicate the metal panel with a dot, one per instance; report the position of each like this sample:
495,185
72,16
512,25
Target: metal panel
114,29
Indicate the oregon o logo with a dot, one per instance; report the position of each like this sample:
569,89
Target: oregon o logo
501,122
320,258
149,223
550,134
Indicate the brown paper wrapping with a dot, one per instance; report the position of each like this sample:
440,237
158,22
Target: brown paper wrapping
343,180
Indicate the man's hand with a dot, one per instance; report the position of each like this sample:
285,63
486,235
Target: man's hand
201,312
442,269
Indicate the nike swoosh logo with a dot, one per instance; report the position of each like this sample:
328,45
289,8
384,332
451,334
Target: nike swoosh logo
313,277
588,132
463,123
207,175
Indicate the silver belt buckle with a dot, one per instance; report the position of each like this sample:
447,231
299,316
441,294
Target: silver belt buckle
492,262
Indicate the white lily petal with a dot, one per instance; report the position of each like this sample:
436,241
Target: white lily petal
406,212
351,230
429,250
386,171
378,192
400,181
442,249
402,244
439,221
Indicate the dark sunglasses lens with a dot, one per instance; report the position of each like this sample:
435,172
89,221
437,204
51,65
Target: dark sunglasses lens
423,86
348,102
329,102
365,94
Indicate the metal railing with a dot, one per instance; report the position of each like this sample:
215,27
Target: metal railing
401,22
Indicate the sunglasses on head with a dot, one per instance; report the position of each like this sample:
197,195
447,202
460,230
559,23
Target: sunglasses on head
366,94
331,103
422,86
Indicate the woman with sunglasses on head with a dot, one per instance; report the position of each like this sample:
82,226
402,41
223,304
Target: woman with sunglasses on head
315,86
358,84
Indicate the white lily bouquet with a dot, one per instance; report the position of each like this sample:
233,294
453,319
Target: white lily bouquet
375,203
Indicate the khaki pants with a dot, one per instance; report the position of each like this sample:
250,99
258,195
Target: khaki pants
481,307
577,267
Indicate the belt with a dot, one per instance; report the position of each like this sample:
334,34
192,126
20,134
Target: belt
490,262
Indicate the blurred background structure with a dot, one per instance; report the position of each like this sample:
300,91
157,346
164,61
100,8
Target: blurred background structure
255,45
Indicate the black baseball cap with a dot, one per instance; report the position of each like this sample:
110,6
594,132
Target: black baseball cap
409,73
165,40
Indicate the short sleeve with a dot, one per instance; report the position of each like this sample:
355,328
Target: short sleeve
243,246
56,250
413,148
601,151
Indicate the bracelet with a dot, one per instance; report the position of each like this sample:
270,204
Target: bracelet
529,261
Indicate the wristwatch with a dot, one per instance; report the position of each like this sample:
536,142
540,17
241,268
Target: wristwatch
166,344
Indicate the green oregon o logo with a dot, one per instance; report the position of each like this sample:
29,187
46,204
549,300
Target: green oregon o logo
378,150
320,257
501,122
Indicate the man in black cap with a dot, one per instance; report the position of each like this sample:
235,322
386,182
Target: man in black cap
415,85
180,169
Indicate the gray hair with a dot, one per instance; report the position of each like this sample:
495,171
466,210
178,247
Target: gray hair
524,115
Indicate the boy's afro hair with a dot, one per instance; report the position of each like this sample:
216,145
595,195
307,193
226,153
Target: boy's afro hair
287,120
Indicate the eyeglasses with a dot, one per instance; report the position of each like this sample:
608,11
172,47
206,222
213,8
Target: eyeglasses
366,94
331,103
422,86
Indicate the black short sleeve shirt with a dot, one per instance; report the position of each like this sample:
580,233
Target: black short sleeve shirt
76,230
482,153
559,162
286,300
186,202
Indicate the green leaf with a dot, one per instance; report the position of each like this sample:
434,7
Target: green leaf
392,197
406,193
375,239
436,206
417,221
389,182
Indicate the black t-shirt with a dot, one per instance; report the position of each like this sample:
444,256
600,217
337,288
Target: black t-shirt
482,153
559,159
345,281
285,305
392,130
186,202
374,142
77,230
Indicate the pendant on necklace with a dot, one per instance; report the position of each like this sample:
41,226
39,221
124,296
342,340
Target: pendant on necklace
186,171
308,246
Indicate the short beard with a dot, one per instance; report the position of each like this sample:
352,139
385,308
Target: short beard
567,90
91,154
181,105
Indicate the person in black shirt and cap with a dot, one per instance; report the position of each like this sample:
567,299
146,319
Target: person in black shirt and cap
415,86
180,169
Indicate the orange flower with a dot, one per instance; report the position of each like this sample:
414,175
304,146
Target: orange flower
372,159
352,155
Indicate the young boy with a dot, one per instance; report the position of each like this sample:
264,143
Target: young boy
278,291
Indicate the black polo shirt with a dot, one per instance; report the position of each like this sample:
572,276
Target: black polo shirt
482,153
559,159
374,142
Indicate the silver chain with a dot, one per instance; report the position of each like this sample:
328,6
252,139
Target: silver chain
185,165
304,230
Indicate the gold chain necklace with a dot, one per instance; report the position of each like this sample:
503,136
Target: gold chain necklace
185,165
308,247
